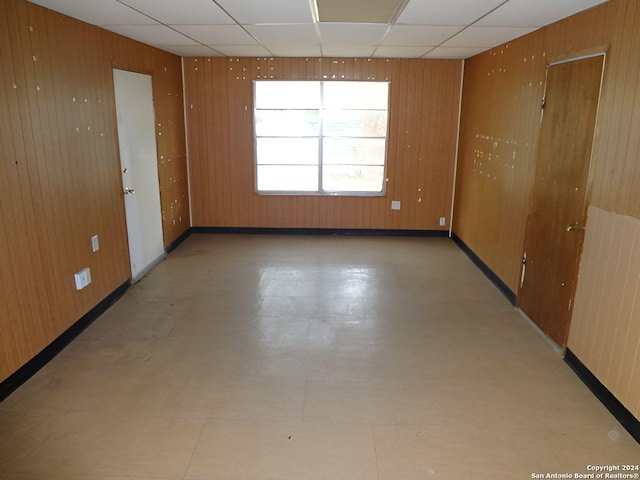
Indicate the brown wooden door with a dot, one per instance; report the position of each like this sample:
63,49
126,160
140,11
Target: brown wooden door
552,248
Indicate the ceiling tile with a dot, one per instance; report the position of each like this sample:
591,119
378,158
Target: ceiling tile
107,12
454,52
525,13
242,50
297,50
384,51
284,34
277,11
451,12
192,50
486,36
151,34
217,34
351,34
347,51
184,12
412,35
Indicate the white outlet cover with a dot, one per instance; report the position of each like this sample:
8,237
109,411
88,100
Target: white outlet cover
82,278
443,221
95,243
395,204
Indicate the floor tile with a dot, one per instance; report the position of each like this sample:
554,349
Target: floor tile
387,401
245,398
53,443
52,476
445,452
286,451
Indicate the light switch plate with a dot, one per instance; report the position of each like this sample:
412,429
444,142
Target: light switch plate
395,204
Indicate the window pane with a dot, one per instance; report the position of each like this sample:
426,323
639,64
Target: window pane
282,95
293,117
355,123
352,178
287,178
356,95
290,151
353,151
287,123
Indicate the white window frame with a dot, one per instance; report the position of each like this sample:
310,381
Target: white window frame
320,191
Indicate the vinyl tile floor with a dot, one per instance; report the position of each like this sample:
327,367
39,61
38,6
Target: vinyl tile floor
299,357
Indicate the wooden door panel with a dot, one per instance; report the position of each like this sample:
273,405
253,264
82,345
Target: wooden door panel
564,151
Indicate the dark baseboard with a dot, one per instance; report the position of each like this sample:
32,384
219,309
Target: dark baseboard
45,356
624,416
506,291
365,232
173,245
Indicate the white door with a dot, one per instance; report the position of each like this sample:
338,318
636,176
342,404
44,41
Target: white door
138,158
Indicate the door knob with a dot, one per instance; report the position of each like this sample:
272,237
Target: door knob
129,191
576,227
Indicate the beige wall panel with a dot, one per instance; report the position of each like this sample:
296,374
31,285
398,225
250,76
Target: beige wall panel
421,144
584,309
605,331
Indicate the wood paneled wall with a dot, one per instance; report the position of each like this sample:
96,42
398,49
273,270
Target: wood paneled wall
500,120
609,289
423,122
168,101
60,173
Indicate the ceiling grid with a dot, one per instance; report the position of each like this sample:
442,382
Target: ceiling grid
315,28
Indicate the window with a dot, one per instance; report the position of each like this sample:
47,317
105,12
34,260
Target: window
320,137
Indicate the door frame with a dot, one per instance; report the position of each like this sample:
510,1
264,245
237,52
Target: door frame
576,56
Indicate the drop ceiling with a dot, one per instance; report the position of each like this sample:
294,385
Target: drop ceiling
331,28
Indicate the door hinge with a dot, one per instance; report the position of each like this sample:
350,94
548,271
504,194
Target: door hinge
544,102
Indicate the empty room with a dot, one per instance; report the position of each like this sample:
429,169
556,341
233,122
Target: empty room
313,239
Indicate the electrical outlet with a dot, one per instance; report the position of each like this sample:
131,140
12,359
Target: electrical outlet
82,278
95,243
395,204
443,221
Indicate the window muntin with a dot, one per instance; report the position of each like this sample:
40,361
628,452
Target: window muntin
321,137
